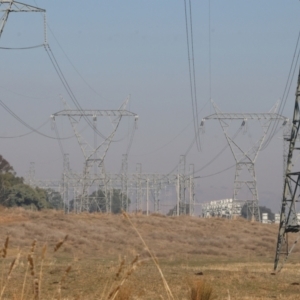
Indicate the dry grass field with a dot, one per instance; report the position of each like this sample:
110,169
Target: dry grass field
103,257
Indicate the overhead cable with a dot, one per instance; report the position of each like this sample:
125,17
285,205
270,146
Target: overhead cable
59,141
25,134
22,48
27,125
68,88
191,64
209,48
71,63
210,175
286,91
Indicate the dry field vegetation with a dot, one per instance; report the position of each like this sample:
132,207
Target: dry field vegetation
50,255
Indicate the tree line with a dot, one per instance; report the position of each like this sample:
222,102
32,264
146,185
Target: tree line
15,192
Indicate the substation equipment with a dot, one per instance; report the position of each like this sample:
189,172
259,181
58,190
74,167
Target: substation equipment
77,186
146,191
84,191
94,176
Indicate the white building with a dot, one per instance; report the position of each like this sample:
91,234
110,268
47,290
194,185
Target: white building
225,208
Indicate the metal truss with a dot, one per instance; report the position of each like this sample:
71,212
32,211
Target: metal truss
245,158
142,189
191,187
30,176
289,222
124,183
94,154
97,113
9,6
181,186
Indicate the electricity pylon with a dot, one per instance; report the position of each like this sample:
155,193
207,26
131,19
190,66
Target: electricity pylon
245,159
95,154
9,6
124,184
181,186
289,222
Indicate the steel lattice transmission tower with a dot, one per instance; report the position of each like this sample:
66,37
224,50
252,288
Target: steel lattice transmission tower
245,158
94,154
9,6
289,222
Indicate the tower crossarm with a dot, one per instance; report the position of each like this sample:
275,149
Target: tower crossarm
94,112
76,115
15,6
245,116
8,6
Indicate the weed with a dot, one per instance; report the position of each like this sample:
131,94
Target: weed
201,290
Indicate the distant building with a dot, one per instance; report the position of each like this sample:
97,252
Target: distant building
265,218
277,218
224,208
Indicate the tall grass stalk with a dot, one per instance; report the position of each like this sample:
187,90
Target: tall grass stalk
24,281
3,255
13,265
44,250
201,290
133,266
166,286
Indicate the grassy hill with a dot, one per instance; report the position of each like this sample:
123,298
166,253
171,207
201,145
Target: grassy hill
233,257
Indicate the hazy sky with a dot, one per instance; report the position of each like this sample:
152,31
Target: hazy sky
138,47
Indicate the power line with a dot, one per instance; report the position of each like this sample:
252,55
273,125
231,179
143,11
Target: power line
209,48
286,90
27,125
25,134
214,158
23,48
192,76
59,141
18,94
210,175
193,62
176,136
71,63
67,87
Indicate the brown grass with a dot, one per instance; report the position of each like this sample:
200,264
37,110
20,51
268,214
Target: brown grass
235,257
168,235
201,290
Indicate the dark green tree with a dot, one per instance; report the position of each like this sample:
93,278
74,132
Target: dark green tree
5,166
54,198
13,191
98,201
262,209
25,196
